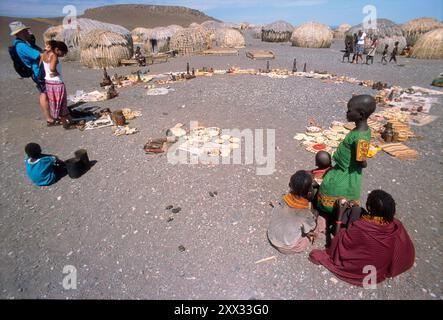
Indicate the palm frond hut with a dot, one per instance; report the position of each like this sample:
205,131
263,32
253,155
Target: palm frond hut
158,40
139,35
194,25
174,28
340,32
279,31
229,38
189,41
104,49
72,35
212,25
52,32
415,28
387,32
429,45
312,35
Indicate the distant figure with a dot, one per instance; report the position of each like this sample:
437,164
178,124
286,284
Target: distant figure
55,86
372,50
354,46
384,55
394,52
360,46
42,170
140,57
348,51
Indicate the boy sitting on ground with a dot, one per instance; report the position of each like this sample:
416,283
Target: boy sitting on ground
42,170
295,224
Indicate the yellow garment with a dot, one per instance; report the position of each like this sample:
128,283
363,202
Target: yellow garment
296,202
374,219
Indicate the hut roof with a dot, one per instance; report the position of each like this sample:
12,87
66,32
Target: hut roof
421,25
279,26
212,25
229,38
343,27
141,34
194,25
415,28
102,38
429,45
312,35
103,48
385,28
190,40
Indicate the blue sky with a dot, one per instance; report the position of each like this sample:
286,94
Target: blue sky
332,12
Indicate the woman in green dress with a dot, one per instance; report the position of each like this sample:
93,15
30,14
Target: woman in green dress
344,180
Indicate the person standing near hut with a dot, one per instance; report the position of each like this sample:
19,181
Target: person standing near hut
55,87
372,50
29,56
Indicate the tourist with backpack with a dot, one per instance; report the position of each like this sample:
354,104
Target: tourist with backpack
26,58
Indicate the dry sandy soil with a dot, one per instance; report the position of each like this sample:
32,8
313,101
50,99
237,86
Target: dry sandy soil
111,224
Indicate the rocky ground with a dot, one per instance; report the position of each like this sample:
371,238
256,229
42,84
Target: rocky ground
112,226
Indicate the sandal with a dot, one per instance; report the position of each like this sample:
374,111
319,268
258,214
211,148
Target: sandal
53,123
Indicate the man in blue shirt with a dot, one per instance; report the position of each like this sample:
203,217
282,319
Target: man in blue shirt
30,56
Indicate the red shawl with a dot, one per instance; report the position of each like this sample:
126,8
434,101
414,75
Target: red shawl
386,247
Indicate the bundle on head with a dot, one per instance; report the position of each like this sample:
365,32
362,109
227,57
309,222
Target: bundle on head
429,45
74,32
229,38
312,35
279,31
189,41
340,32
139,35
52,33
414,29
104,49
386,32
158,39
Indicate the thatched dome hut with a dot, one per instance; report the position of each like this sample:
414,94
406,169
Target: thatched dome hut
387,32
158,39
415,28
279,31
103,48
52,33
340,32
194,25
429,45
229,38
73,36
312,35
139,35
244,25
212,25
174,28
189,41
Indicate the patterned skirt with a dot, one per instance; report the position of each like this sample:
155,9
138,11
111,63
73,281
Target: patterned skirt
58,99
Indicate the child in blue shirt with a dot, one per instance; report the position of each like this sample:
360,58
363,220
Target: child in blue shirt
42,170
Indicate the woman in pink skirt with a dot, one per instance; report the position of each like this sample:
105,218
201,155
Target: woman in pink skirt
55,87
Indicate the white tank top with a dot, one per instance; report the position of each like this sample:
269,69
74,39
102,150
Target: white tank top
48,77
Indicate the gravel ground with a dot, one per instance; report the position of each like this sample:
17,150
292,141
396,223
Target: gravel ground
111,224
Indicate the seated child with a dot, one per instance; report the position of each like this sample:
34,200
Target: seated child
42,170
323,163
295,224
376,239
139,57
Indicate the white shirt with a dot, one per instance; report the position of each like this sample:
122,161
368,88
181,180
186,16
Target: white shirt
48,77
361,40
